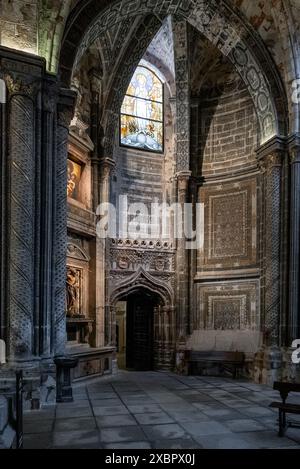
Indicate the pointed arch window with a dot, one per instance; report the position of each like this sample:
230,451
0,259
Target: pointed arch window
142,112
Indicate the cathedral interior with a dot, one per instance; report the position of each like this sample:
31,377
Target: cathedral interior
106,105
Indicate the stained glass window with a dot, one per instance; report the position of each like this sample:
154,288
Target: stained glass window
142,112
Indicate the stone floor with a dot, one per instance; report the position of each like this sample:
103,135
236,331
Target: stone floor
159,410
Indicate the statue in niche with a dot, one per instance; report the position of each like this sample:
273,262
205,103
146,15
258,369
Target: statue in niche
73,292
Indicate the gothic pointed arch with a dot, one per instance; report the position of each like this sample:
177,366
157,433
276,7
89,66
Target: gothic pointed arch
142,280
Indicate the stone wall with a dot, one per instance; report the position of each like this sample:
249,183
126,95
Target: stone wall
226,307
19,24
228,132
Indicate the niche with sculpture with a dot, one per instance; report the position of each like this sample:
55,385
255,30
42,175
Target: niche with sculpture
79,324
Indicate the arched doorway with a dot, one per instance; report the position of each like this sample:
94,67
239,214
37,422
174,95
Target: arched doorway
143,323
135,330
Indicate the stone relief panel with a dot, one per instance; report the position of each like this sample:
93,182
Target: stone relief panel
228,306
158,261
229,227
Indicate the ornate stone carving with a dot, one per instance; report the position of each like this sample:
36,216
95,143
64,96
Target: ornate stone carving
18,84
226,30
22,227
76,252
228,306
230,227
73,292
123,262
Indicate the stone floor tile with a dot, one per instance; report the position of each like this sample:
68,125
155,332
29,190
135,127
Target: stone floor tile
38,441
144,409
106,402
223,441
76,439
72,412
152,419
115,421
110,410
73,424
209,427
257,411
38,426
129,445
244,425
187,443
117,435
168,432
188,416
223,414
267,440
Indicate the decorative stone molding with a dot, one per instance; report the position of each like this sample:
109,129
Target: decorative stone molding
142,244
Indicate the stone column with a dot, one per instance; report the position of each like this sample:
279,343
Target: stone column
65,111
181,60
96,133
48,150
156,333
182,262
270,358
20,199
168,348
104,312
294,280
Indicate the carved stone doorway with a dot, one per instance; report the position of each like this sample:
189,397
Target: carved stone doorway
135,330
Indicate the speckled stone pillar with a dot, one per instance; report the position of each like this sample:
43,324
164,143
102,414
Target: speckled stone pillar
22,75
268,361
64,115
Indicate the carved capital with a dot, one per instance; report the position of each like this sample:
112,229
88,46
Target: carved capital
272,160
107,165
20,84
294,156
183,180
65,107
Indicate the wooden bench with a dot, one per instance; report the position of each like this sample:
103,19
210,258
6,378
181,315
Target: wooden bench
283,407
228,361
